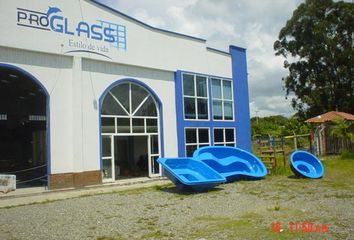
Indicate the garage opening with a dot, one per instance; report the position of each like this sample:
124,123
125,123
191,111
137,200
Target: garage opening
23,128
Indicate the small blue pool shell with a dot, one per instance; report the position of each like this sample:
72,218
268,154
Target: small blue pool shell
231,162
305,164
189,174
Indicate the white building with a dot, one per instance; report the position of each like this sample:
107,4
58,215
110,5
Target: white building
89,94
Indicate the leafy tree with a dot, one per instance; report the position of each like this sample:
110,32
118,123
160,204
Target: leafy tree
317,43
295,125
277,126
343,130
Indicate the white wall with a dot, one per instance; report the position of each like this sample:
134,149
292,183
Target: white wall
55,73
146,47
75,81
74,116
98,76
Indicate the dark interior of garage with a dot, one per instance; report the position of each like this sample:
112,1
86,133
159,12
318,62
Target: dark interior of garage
23,124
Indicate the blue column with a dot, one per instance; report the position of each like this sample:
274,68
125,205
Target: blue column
241,99
179,113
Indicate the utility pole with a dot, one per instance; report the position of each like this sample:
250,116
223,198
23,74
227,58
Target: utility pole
257,116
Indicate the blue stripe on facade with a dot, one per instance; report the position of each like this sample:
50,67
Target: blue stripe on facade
241,121
179,113
241,99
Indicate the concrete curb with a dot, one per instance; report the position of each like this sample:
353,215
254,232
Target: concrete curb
54,195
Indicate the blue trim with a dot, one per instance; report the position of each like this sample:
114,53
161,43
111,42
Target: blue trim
203,74
241,99
179,113
156,98
211,124
211,131
236,48
218,51
30,76
146,25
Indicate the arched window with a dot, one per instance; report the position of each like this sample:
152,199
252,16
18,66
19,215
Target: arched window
129,108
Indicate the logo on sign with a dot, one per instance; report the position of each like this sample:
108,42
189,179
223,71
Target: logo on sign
53,20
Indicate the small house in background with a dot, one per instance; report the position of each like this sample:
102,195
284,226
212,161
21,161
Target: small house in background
323,140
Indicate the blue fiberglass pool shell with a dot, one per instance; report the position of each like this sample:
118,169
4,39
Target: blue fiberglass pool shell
188,174
305,164
231,162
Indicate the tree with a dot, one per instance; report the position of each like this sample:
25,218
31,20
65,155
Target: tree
343,130
317,44
277,126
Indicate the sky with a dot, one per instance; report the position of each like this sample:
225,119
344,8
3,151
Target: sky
252,24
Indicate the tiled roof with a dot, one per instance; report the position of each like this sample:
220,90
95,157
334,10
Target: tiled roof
329,116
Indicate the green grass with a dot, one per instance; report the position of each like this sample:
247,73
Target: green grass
347,155
338,168
339,172
248,226
161,187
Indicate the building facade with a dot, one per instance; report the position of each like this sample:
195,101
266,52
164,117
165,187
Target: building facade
94,95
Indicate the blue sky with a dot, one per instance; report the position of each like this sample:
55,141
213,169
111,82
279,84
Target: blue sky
252,24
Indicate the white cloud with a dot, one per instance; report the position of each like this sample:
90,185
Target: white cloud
181,23
144,16
251,24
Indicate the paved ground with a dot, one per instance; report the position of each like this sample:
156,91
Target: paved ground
240,210
25,196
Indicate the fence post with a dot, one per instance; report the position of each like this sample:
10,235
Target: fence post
311,138
295,140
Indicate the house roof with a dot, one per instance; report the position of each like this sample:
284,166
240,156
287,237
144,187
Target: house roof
329,116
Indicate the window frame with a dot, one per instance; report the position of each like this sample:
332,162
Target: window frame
222,99
131,114
3,117
197,143
196,97
224,142
37,118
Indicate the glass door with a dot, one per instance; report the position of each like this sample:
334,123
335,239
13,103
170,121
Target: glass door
154,154
108,158
130,110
